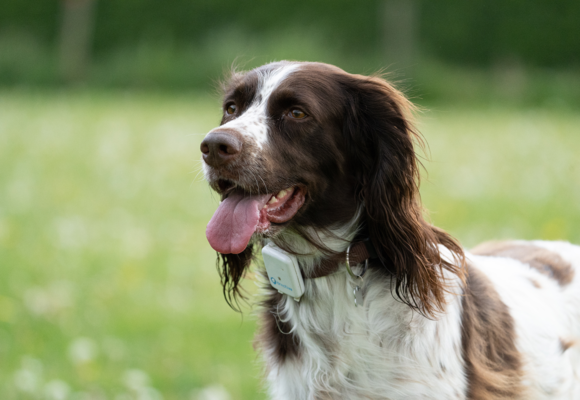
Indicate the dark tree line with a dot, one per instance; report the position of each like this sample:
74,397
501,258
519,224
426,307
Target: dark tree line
477,32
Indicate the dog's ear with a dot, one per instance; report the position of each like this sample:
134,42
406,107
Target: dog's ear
232,268
381,135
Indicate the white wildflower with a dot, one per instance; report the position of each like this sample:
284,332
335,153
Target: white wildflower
82,350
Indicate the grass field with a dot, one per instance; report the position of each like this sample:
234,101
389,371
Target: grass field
109,288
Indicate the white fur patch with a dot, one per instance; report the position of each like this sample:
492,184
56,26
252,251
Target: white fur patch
253,123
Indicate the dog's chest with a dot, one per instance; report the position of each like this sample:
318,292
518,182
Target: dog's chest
379,351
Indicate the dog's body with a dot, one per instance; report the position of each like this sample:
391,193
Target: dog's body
313,158
389,351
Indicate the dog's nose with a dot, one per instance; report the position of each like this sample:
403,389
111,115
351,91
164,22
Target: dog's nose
220,148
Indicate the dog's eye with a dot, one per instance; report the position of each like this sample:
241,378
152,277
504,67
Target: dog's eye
296,114
231,109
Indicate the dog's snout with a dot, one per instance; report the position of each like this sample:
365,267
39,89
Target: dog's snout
220,148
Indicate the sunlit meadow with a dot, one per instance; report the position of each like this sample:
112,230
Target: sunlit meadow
109,288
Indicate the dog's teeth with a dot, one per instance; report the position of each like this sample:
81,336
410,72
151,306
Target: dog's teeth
272,200
265,205
281,193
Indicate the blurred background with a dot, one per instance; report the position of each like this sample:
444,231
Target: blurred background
109,288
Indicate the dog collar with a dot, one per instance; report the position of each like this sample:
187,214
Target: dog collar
286,276
357,253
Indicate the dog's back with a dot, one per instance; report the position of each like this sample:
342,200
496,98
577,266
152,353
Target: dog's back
539,282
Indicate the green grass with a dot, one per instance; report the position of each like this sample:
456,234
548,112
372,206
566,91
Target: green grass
102,243
109,287
503,173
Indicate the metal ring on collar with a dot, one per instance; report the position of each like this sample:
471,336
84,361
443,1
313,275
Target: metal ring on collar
350,270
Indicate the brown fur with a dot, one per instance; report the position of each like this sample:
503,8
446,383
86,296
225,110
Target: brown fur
565,344
535,283
544,261
274,335
232,268
492,362
381,133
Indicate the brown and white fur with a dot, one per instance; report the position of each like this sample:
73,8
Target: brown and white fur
438,322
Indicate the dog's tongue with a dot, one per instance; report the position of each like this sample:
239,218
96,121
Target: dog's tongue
231,227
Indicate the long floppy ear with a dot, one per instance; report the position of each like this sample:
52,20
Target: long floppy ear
232,268
381,136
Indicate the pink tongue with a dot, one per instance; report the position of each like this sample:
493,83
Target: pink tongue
231,227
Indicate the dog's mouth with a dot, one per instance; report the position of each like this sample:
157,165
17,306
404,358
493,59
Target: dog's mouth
241,214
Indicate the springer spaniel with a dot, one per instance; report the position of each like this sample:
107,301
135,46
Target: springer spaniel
316,163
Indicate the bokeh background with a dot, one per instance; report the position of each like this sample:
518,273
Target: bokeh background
108,288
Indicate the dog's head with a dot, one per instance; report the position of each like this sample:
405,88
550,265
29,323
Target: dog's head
305,148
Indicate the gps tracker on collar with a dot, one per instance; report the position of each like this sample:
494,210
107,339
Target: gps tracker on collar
283,271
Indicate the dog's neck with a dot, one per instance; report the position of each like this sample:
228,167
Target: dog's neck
334,240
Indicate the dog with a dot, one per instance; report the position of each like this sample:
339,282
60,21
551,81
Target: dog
321,165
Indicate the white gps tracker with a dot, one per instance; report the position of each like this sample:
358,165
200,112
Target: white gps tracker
283,271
